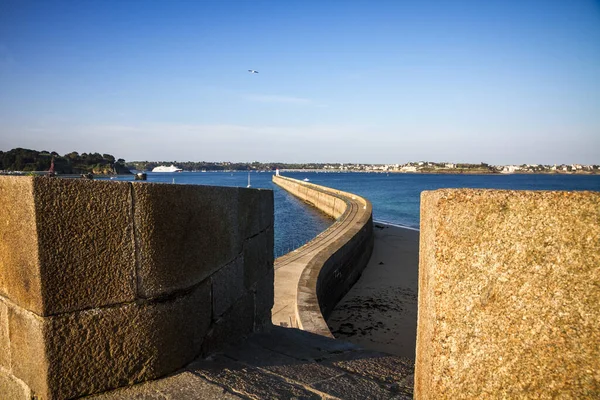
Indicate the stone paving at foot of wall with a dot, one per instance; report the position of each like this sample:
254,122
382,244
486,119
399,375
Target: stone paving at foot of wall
283,363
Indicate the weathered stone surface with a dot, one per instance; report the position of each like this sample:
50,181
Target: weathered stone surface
251,371
508,295
28,351
354,387
339,207
182,386
185,234
378,366
73,235
263,301
306,372
258,256
232,326
19,268
255,211
11,388
227,286
4,340
97,350
85,236
249,381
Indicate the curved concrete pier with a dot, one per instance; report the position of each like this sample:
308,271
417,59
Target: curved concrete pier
311,280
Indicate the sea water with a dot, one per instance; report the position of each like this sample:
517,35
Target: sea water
395,197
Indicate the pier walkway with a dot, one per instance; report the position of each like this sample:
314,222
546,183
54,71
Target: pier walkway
310,280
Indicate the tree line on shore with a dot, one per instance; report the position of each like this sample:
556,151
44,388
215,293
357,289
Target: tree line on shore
20,159
221,166
28,160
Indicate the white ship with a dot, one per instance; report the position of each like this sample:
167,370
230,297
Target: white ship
162,168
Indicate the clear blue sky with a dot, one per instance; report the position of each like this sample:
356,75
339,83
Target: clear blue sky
339,81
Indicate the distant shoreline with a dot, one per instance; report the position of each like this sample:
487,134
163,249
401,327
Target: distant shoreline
329,171
442,172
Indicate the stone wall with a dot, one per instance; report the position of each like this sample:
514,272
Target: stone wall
509,295
322,271
106,284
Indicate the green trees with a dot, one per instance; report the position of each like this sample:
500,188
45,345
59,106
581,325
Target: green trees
20,159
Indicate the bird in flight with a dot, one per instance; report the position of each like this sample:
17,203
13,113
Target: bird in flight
252,71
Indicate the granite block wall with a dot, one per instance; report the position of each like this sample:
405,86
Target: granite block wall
106,284
509,295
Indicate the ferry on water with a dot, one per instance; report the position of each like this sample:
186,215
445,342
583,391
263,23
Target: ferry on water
163,168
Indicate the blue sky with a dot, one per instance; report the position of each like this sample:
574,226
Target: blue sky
339,81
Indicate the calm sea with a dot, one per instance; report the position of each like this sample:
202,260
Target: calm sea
395,197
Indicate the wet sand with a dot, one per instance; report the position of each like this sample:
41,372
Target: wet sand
380,311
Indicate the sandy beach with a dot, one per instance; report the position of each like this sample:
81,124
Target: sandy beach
380,311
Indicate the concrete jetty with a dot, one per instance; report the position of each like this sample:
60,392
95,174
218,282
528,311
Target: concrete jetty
311,280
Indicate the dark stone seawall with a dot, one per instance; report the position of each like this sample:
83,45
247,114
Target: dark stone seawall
349,262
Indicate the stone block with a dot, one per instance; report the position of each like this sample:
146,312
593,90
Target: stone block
4,339
97,350
29,361
255,211
182,386
339,207
508,295
258,256
264,295
185,233
327,203
85,237
227,286
19,268
12,388
312,196
300,191
75,236
232,326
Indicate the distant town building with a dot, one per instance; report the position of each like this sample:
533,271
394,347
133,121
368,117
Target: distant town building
509,169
